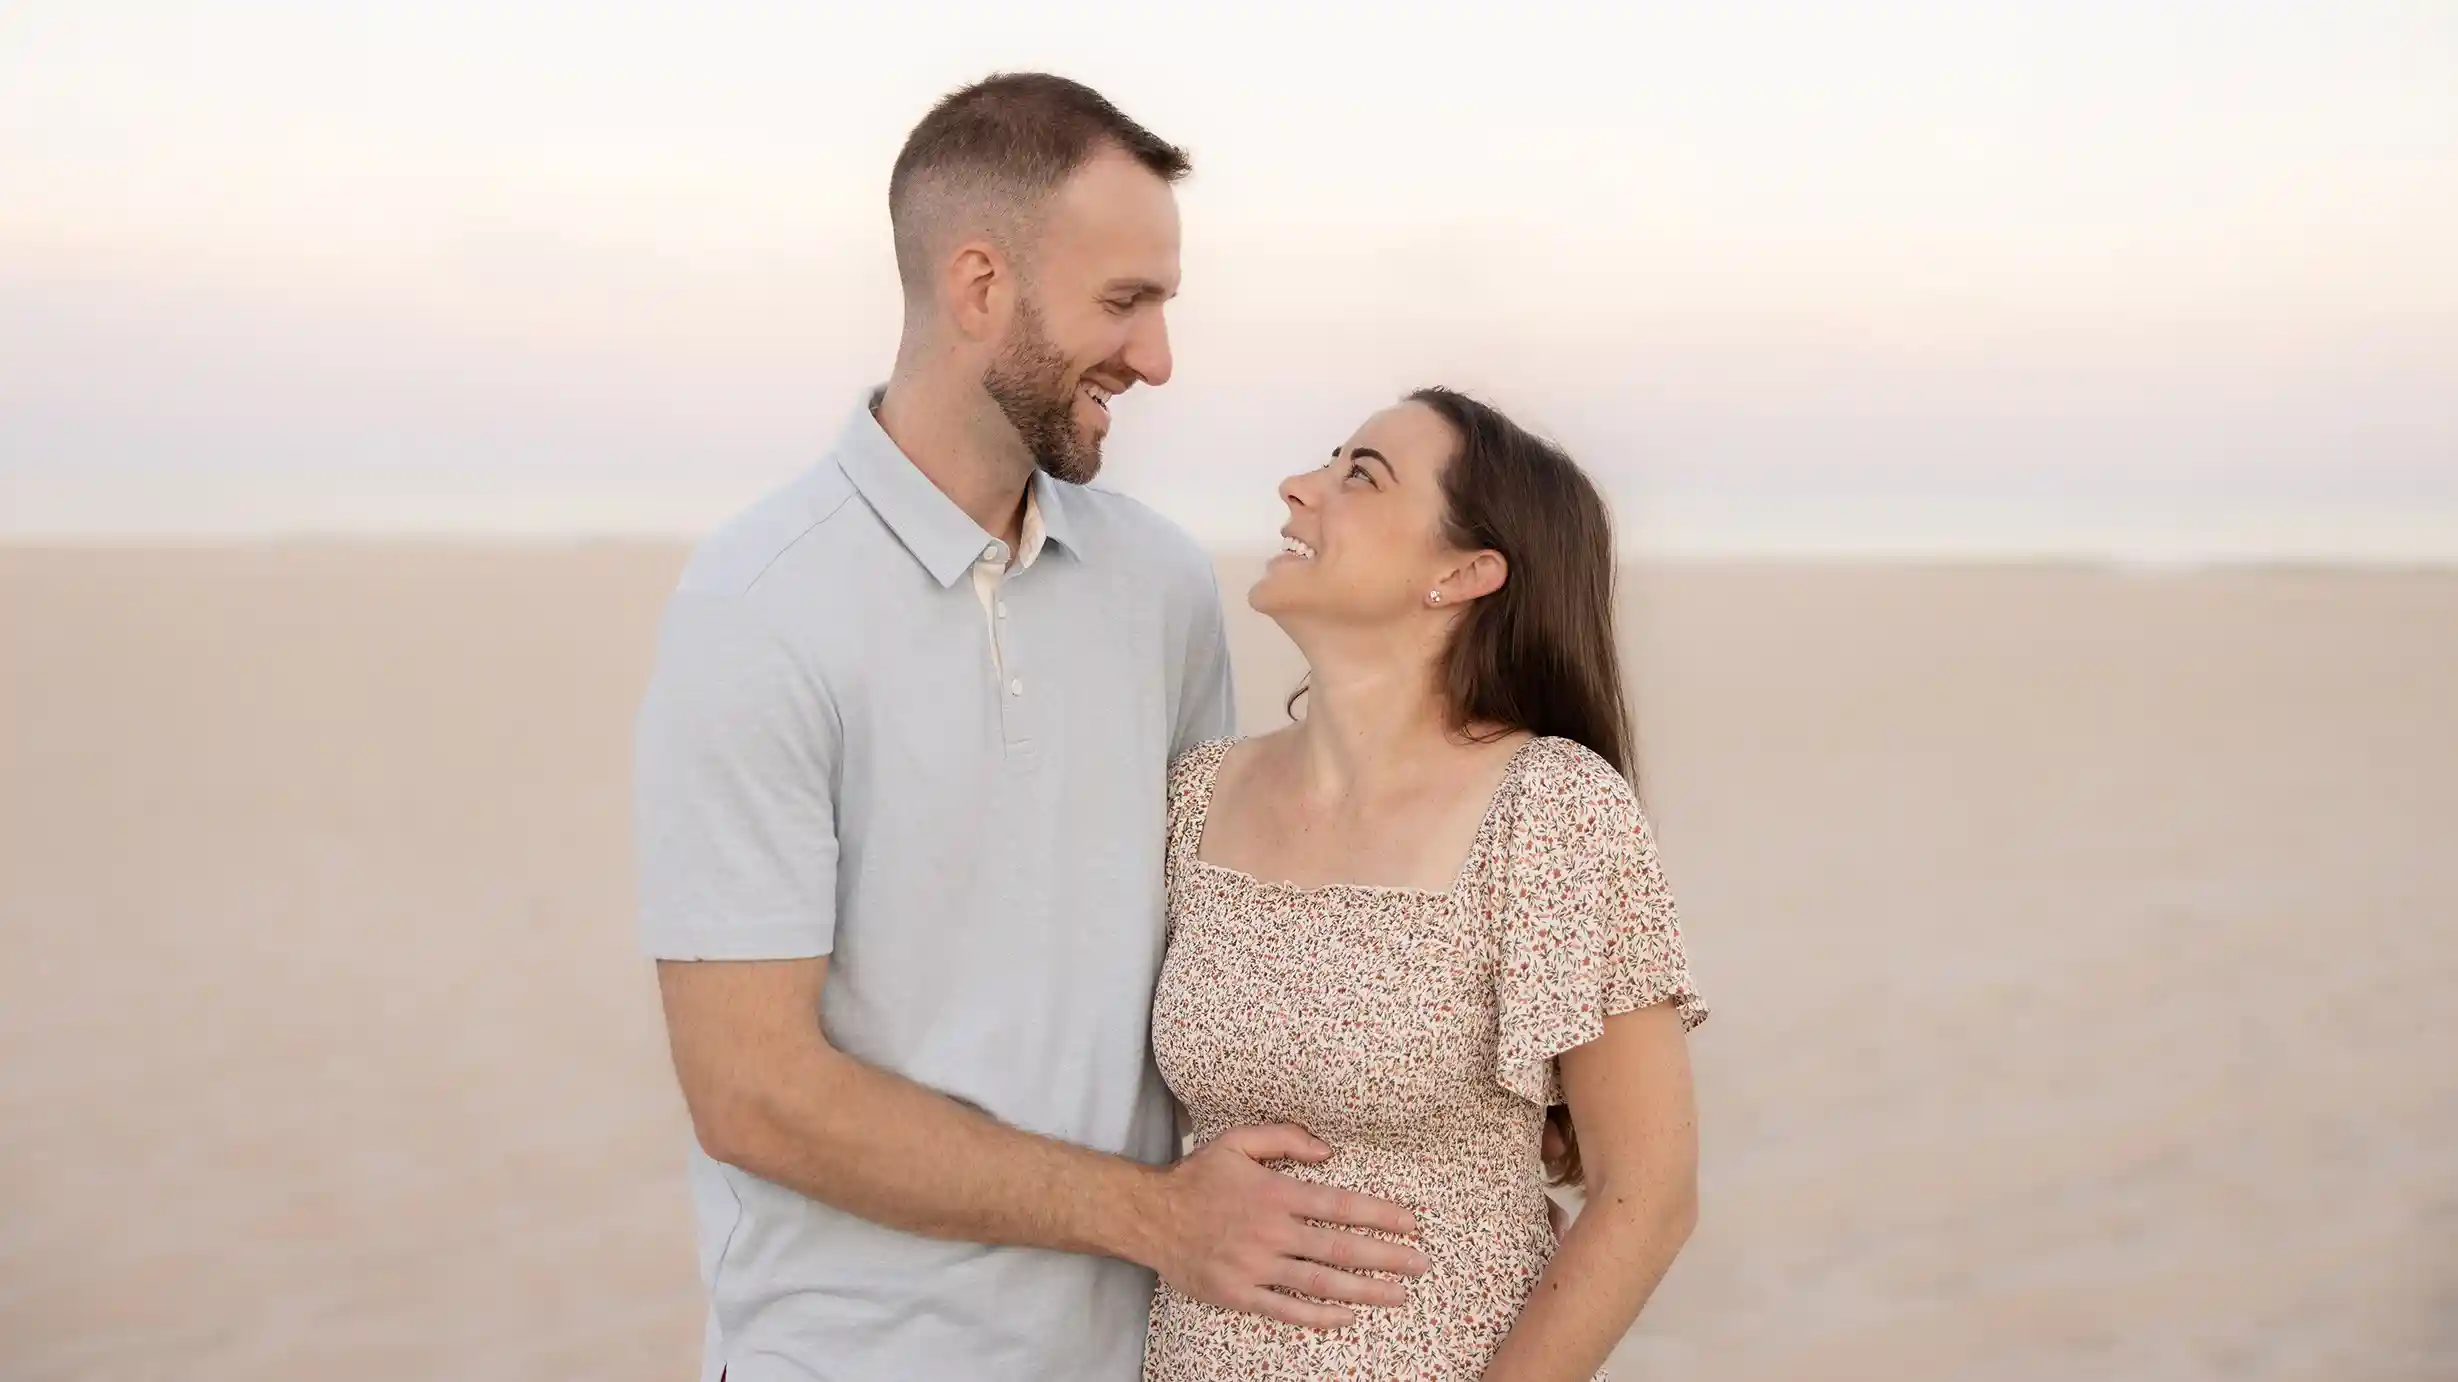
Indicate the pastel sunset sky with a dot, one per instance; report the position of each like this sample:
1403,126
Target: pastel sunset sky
2145,281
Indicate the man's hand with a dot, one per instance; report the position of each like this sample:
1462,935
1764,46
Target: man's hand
1235,1234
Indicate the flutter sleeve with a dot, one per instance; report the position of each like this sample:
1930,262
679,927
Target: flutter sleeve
1588,926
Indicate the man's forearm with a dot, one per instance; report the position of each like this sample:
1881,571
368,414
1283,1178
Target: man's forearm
886,1149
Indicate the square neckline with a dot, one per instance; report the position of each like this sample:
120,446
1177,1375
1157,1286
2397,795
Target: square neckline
1477,843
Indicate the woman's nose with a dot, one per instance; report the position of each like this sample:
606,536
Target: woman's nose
1293,490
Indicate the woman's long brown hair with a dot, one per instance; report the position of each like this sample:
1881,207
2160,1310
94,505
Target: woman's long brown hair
1538,654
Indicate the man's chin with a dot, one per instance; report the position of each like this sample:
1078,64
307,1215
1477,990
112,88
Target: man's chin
1077,469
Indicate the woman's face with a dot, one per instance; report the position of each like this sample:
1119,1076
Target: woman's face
1364,541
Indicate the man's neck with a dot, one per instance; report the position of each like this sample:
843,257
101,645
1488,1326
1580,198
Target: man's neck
940,426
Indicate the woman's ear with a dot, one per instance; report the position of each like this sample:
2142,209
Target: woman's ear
1479,575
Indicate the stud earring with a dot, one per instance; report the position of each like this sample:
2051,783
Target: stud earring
1433,597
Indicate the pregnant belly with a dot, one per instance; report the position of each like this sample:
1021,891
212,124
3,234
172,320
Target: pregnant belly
1486,1251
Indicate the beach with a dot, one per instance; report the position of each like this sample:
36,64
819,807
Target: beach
2081,943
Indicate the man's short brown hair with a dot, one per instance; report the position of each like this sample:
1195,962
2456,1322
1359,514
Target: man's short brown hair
987,156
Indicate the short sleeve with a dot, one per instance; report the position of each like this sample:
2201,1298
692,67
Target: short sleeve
1207,704
733,809
1588,926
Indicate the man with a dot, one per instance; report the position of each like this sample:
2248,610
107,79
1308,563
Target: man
899,811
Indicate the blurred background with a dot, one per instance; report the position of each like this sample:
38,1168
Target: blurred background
2033,432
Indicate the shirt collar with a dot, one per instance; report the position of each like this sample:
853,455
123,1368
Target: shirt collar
941,536
1031,534
1053,498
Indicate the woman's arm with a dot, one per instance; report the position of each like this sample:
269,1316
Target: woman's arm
1629,1095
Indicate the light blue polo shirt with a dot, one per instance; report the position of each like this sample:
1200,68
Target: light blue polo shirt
830,762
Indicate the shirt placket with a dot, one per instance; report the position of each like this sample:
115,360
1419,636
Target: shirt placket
1019,696
989,580
993,581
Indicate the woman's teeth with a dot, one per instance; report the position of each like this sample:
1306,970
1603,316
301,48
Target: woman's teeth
1296,548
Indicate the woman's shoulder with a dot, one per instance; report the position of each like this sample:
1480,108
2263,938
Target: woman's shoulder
1208,752
1569,810
1555,775
1191,772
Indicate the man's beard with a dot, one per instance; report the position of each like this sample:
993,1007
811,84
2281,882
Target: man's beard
1029,383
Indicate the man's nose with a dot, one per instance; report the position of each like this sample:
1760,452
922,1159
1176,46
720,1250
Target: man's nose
1148,349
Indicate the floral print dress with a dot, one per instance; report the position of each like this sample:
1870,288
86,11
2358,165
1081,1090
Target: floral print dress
1415,1032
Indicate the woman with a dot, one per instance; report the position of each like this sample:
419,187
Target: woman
1426,921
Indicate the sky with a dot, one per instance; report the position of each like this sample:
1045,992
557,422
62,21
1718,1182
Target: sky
2143,282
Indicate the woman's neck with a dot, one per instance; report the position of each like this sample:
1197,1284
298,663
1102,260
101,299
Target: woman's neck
1371,710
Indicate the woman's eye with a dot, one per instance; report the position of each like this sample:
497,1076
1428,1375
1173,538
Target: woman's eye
1356,471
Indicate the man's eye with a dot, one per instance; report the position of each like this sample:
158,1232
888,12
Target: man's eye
1121,308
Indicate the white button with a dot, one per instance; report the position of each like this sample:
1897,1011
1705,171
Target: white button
1016,687
992,553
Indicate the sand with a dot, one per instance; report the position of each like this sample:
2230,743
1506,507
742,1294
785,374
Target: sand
2084,948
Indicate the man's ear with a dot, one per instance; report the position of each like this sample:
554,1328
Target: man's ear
977,287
